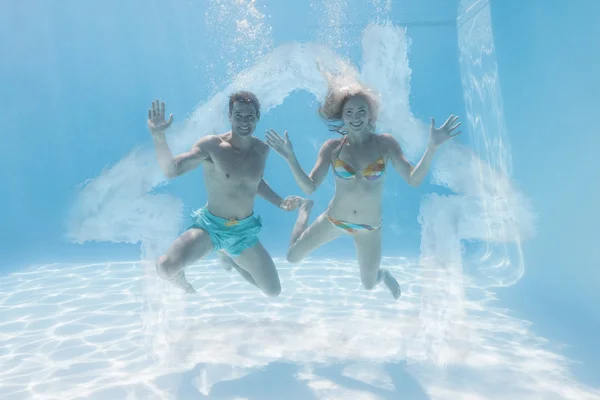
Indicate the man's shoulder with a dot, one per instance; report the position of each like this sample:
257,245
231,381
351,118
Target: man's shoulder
260,146
209,140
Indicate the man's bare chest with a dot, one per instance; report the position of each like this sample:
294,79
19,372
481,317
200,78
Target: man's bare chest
237,165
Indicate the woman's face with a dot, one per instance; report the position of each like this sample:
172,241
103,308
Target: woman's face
356,115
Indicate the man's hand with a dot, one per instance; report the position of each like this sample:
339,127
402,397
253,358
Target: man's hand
156,119
291,203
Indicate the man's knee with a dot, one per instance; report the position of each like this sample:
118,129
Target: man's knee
167,266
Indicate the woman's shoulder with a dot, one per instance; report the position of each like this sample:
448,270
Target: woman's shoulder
385,142
331,144
333,141
384,138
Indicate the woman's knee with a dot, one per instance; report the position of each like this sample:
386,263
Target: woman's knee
273,290
370,280
369,284
293,255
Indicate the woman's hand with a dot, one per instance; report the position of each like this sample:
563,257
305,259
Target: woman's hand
279,144
438,136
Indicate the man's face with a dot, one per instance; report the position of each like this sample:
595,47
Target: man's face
243,118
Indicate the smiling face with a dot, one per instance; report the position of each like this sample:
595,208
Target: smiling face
243,117
356,115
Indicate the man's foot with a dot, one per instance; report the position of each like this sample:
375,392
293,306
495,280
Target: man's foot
391,283
181,281
226,262
178,279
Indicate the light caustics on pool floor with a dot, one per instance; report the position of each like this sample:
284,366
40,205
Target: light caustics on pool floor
101,330
114,330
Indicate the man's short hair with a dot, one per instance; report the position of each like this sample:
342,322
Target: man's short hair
244,97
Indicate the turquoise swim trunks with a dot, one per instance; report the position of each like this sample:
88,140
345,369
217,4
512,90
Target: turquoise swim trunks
230,235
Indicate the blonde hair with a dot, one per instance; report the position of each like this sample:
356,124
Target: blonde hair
338,93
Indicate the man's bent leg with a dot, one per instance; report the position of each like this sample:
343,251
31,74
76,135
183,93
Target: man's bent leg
257,262
230,264
226,262
192,245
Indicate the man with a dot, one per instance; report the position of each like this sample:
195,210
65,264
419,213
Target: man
234,164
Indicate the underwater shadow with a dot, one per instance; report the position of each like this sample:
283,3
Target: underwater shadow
276,381
280,380
404,385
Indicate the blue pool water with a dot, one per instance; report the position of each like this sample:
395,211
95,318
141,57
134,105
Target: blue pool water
496,252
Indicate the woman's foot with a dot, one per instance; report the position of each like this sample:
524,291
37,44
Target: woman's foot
302,221
391,283
306,205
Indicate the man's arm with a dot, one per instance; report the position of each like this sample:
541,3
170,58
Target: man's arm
184,162
173,166
265,191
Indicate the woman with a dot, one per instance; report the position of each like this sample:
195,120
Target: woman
358,159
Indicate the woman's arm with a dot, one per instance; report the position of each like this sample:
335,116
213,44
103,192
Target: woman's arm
413,175
307,182
437,136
